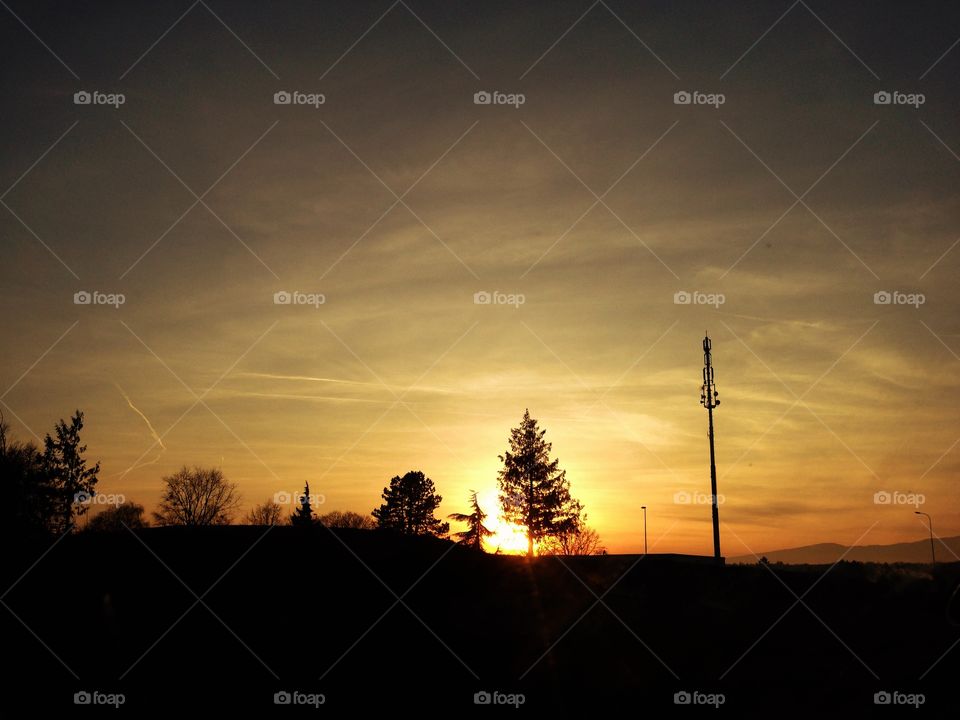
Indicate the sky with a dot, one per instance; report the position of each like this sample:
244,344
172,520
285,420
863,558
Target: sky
588,202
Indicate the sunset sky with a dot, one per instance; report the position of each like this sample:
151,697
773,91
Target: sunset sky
598,200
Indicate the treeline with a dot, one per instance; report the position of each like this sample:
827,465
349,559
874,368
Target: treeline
45,489
52,486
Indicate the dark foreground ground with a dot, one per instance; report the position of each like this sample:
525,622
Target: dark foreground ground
226,618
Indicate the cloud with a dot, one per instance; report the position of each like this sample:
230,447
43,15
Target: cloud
153,433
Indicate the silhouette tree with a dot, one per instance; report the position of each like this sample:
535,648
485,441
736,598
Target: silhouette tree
534,492
115,518
476,531
24,484
71,481
579,541
303,515
348,519
197,497
266,513
409,504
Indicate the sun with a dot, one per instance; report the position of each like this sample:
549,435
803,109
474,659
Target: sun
509,538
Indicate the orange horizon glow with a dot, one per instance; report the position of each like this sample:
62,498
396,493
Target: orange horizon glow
422,355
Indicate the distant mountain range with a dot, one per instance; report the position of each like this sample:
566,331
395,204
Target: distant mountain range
912,552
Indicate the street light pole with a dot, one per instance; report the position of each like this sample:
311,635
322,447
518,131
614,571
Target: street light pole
644,508
933,552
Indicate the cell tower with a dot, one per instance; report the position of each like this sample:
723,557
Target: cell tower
709,399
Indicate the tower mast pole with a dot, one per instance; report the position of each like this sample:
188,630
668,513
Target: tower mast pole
709,399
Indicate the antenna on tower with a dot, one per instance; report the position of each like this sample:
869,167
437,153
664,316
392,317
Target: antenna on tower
709,398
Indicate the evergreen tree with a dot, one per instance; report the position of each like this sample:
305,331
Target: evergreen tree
303,515
27,505
72,483
409,504
476,531
534,491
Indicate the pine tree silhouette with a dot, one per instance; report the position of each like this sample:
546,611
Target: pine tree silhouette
534,491
476,531
303,515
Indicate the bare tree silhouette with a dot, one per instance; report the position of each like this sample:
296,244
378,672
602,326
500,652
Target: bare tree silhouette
580,541
200,496
266,513
347,519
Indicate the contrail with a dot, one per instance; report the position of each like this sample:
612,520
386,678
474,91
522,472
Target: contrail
157,439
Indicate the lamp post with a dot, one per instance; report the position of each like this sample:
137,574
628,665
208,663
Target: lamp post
933,552
644,508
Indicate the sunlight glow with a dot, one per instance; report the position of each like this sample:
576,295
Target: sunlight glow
509,538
